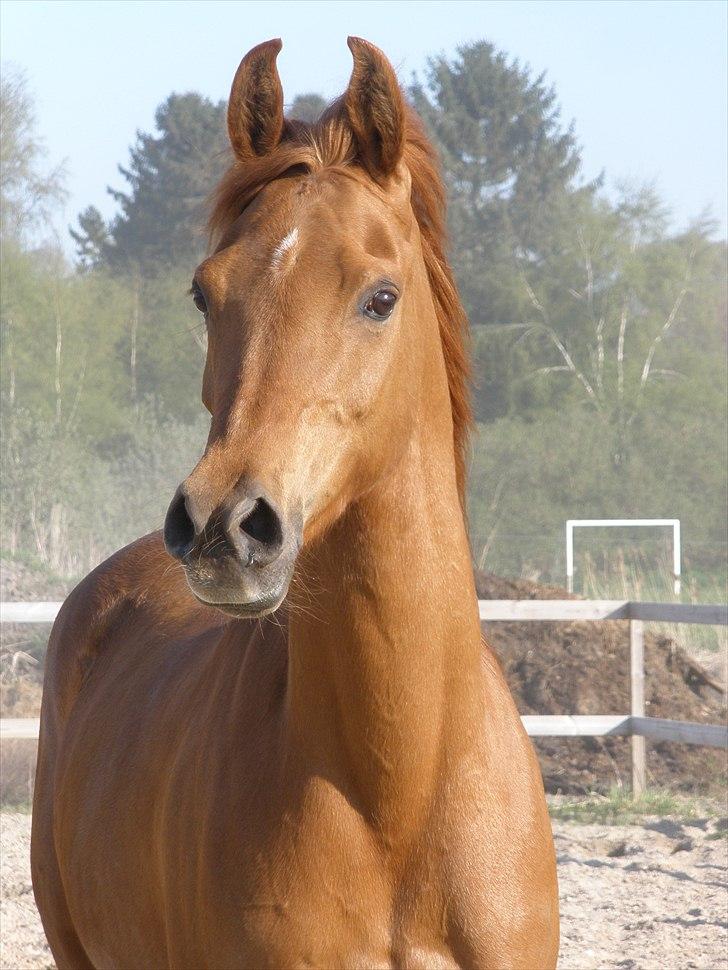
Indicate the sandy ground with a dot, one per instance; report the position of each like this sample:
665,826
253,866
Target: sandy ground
641,897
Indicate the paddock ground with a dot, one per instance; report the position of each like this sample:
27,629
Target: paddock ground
652,896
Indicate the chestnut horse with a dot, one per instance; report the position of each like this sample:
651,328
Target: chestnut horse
344,782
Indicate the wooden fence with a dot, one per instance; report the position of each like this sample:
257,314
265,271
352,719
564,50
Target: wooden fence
635,724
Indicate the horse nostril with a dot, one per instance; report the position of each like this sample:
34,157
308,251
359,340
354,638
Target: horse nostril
179,529
263,525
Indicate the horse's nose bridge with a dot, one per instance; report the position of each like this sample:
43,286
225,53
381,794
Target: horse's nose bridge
205,490
262,437
231,467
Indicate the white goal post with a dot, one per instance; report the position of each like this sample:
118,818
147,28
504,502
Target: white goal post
572,524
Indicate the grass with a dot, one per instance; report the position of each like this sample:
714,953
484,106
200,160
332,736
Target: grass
16,808
619,808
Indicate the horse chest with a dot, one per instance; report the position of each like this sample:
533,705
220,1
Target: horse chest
316,927
319,894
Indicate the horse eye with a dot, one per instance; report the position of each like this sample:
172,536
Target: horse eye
380,306
198,298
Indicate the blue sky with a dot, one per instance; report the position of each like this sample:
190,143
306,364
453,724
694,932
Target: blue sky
646,83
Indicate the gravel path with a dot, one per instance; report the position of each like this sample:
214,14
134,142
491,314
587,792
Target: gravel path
22,941
638,897
643,897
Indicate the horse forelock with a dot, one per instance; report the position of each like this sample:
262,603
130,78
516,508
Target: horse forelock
329,144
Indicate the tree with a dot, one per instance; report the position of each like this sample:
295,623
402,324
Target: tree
91,238
606,332
307,107
169,176
509,166
27,194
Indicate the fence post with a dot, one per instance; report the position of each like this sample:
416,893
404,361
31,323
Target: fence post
637,705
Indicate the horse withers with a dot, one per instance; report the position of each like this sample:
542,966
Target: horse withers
272,735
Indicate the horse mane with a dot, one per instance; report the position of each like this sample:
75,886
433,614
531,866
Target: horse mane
329,143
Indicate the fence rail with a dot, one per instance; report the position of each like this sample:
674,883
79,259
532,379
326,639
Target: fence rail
491,610
536,725
518,610
634,725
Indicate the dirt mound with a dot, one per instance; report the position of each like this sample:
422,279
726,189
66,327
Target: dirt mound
583,668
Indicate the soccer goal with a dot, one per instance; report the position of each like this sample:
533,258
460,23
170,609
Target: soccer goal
572,524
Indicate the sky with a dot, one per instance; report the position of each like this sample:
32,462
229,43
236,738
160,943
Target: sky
645,83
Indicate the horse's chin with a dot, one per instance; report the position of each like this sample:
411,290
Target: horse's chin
246,611
241,603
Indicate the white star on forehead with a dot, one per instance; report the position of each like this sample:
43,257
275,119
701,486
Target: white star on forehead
286,244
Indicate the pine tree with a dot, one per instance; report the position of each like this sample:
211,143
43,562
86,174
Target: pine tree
509,165
169,175
91,238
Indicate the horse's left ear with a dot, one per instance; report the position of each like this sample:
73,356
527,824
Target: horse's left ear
255,108
375,108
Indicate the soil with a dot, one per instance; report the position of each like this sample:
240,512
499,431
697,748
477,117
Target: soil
583,668
636,897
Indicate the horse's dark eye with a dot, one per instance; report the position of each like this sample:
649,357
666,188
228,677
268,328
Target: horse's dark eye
381,305
198,298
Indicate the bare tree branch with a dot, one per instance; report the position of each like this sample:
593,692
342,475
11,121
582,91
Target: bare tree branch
644,377
600,354
620,351
79,391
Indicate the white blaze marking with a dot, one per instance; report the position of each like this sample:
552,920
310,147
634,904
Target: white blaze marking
284,246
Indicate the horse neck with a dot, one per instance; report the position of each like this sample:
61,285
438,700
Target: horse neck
384,658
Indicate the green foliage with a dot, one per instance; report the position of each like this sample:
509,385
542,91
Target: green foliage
606,307
514,202
100,414
95,437
528,477
68,340
91,238
72,505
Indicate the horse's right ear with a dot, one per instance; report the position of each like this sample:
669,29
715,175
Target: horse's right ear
255,108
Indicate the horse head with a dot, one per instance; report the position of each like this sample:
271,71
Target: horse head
323,336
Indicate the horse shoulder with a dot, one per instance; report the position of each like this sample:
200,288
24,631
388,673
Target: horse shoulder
140,577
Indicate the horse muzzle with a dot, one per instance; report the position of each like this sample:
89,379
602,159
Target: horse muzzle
240,558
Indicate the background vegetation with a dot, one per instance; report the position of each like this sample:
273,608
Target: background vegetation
599,335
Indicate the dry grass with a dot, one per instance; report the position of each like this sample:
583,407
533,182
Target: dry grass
633,577
17,774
